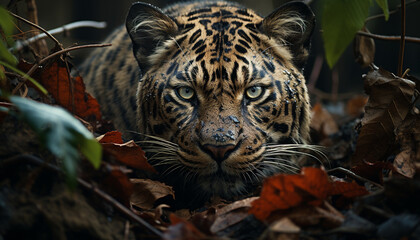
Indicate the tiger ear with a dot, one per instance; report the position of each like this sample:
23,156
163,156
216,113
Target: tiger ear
148,28
292,24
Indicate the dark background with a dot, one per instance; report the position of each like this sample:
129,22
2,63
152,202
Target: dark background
347,73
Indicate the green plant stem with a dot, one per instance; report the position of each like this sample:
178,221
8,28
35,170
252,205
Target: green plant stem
402,41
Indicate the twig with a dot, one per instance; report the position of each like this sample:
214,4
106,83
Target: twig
40,47
316,70
402,41
83,183
388,38
390,12
327,96
354,175
38,27
21,44
36,65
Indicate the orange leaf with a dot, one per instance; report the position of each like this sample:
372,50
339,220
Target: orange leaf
285,191
68,92
130,154
348,189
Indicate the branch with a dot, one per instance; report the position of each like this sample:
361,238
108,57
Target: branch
40,48
388,38
21,44
402,41
391,11
38,27
36,65
83,183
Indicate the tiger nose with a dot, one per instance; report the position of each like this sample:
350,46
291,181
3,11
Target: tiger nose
219,152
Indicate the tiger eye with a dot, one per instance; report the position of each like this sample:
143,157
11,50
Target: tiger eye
254,92
186,92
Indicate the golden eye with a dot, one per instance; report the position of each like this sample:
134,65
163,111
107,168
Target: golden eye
254,92
186,92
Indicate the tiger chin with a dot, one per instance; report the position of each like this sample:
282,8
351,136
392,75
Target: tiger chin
215,90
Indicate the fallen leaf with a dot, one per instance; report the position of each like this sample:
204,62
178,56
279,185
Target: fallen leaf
181,229
322,121
117,184
390,98
130,154
409,141
364,49
284,225
312,187
68,92
231,214
146,192
111,137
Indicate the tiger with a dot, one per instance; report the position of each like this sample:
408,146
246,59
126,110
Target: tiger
215,91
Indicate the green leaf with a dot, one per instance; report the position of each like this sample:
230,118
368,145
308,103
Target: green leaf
384,5
6,23
7,26
340,21
61,133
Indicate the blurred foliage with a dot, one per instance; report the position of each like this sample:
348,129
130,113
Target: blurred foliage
340,21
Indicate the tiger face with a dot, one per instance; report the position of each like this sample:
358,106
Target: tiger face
221,96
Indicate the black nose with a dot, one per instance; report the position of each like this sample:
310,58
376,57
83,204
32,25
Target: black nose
219,152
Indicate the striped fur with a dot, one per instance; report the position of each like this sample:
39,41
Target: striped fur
221,141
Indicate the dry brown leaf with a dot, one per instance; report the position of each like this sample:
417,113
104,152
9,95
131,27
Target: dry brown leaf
146,192
409,140
322,121
364,49
284,225
390,98
231,214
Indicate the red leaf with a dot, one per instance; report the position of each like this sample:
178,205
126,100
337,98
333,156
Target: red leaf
312,186
68,92
111,137
130,154
118,185
182,230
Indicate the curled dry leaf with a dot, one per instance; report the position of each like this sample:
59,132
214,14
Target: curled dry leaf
231,214
68,92
128,153
408,136
390,100
311,187
146,192
364,49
